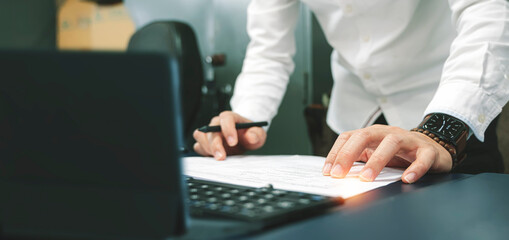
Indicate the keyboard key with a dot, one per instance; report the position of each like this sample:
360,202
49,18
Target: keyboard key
249,205
268,209
213,206
199,204
278,192
226,209
285,204
248,213
226,195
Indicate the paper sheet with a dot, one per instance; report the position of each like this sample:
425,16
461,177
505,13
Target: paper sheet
293,173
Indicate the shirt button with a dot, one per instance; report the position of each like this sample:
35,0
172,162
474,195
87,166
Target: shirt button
481,118
348,8
366,38
367,76
383,100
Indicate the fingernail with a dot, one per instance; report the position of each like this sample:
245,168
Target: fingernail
253,138
218,155
337,171
367,175
410,178
231,141
326,169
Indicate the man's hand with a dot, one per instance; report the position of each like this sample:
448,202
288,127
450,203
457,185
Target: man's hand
380,146
229,141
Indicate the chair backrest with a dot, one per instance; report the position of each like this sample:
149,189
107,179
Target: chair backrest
179,40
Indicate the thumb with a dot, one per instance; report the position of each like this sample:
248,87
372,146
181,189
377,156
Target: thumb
253,138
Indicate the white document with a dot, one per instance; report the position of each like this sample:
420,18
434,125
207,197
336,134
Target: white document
292,173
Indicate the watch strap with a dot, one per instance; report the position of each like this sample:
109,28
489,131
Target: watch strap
456,148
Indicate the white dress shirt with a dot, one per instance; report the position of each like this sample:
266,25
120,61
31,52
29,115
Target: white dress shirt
402,58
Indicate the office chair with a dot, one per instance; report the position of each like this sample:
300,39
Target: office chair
178,39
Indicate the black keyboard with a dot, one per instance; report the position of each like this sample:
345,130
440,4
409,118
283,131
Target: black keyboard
267,205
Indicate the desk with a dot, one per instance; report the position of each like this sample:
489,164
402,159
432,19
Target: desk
453,206
448,206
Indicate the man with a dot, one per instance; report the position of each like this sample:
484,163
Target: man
397,60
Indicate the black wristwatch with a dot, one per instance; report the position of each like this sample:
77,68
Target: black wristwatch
448,131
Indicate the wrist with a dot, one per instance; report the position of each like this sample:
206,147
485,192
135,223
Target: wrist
448,131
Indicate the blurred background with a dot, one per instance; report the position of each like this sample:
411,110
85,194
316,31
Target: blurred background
220,32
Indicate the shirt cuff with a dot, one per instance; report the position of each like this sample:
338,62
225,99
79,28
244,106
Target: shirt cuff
468,103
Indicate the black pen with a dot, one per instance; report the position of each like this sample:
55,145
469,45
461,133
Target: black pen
207,129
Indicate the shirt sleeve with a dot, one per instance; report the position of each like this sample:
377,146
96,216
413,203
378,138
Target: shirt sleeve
268,64
475,85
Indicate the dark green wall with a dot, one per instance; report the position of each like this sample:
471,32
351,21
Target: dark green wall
28,24
322,77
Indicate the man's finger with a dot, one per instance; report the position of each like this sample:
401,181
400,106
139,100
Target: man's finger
215,140
333,153
253,138
202,140
425,157
350,152
216,146
199,149
227,122
387,149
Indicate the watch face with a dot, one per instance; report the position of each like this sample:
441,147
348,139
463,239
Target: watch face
445,126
